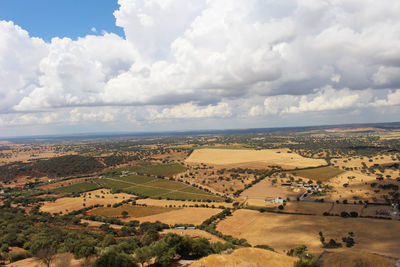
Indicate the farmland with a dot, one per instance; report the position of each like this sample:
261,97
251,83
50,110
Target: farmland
285,231
262,158
76,188
132,211
68,204
167,170
316,180
322,174
156,188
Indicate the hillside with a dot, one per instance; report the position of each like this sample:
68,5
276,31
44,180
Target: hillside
354,259
247,257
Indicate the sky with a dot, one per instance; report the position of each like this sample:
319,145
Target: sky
72,66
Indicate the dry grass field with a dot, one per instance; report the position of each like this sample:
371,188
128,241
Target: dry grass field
247,257
178,203
68,204
265,189
315,208
252,158
194,233
98,224
359,187
283,231
180,216
133,211
66,259
322,174
355,259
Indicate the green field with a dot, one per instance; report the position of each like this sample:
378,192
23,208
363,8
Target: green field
167,170
146,191
76,188
156,188
113,184
322,174
137,179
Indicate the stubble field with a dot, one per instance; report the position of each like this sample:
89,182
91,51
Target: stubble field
283,231
241,157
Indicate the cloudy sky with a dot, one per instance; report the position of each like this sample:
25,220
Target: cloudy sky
197,64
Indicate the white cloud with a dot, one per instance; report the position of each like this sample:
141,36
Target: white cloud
93,29
324,99
190,110
392,99
190,58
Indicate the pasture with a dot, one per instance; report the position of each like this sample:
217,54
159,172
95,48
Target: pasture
322,174
252,158
265,189
194,233
156,188
133,211
285,231
179,216
166,215
167,170
179,203
68,204
76,188
247,257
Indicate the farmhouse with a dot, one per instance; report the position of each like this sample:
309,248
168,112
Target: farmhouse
273,200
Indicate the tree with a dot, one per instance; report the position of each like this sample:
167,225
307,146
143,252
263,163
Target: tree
46,254
124,213
143,255
112,258
321,238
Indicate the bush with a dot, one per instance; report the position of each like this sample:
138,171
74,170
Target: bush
16,256
344,214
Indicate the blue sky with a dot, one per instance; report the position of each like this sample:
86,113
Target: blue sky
61,18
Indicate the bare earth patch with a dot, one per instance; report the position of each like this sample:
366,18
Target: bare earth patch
68,204
283,231
265,189
265,157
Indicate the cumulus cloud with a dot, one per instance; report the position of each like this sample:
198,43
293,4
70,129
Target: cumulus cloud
189,110
192,58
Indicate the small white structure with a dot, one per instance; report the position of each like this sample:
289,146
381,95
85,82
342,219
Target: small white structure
273,200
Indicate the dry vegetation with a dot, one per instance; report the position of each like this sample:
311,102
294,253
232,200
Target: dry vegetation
178,203
355,259
180,216
68,204
263,158
132,211
265,189
283,231
247,257
195,233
